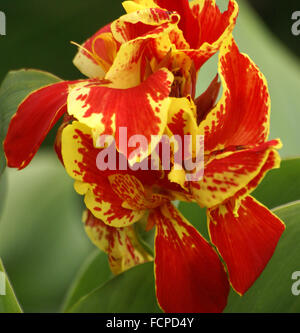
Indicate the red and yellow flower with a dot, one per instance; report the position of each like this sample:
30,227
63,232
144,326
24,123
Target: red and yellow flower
142,71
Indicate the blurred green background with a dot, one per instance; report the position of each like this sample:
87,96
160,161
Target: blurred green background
42,242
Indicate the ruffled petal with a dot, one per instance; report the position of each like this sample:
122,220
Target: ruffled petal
141,23
121,244
235,173
242,115
141,110
35,117
189,274
80,160
246,241
215,27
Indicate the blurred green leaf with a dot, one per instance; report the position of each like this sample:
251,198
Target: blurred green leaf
42,240
280,186
272,290
282,71
8,302
130,292
15,87
94,272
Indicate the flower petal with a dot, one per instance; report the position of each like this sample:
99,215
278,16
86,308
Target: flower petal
242,115
35,117
96,55
79,157
141,23
188,23
246,242
215,27
132,191
142,110
235,173
121,244
189,274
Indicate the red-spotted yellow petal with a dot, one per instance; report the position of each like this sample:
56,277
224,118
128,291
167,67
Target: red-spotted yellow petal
231,173
142,110
189,274
134,194
96,55
141,23
242,115
35,117
132,6
121,244
246,241
79,157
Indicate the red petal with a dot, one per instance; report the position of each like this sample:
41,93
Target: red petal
188,22
206,101
35,117
147,104
215,27
189,274
242,115
247,241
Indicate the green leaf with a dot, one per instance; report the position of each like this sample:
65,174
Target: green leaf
272,292
42,240
196,216
280,186
94,272
15,87
8,299
130,292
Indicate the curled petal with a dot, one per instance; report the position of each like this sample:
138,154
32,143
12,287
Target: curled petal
142,110
79,157
189,274
246,241
121,244
35,117
242,115
141,23
96,55
189,23
235,173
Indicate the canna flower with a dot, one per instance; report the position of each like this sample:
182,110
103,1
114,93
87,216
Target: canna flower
142,71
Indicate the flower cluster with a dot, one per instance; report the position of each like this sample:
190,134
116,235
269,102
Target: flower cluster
142,71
